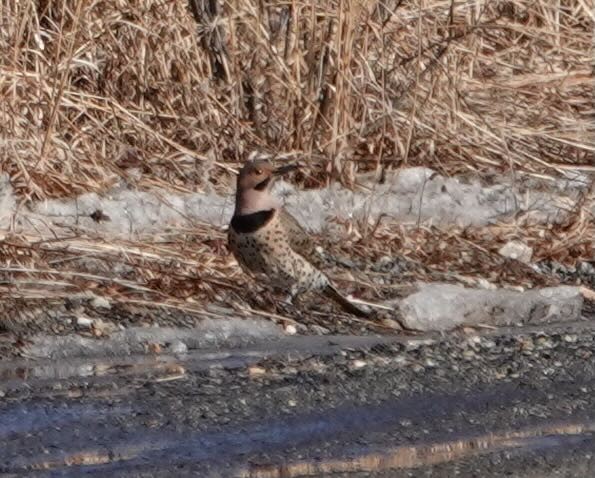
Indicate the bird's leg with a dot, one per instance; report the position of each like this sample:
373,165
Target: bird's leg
297,292
293,294
262,298
291,300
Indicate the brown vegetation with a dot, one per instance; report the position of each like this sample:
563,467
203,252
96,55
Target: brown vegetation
184,90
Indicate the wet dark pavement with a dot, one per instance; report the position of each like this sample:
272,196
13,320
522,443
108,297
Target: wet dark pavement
509,402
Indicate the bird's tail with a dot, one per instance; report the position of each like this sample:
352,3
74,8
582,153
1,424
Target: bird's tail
348,306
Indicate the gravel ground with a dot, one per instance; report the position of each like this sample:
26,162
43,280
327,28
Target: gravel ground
514,402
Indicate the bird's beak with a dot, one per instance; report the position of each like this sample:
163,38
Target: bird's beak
285,169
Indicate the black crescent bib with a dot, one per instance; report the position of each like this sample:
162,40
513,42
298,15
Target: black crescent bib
251,222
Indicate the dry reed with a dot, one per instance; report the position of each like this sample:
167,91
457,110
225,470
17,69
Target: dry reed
92,88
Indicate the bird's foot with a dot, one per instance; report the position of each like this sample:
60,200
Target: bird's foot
290,302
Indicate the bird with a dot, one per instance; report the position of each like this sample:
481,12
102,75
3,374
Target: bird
270,244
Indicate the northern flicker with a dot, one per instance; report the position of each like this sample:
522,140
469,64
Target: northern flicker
270,244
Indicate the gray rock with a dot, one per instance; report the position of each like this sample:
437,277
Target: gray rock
101,303
445,306
517,250
209,333
84,322
177,347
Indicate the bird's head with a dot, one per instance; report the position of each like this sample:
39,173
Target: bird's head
260,175
254,183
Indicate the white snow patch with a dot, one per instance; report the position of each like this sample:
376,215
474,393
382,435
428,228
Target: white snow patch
132,213
410,196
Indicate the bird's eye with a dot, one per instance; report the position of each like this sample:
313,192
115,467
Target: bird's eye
258,171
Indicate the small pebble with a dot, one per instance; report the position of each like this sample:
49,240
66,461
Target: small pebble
526,344
488,344
391,324
85,322
358,364
431,363
154,348
255,371
178,347
517,250
319,330
100,303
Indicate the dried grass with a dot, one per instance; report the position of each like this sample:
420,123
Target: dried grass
91,88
